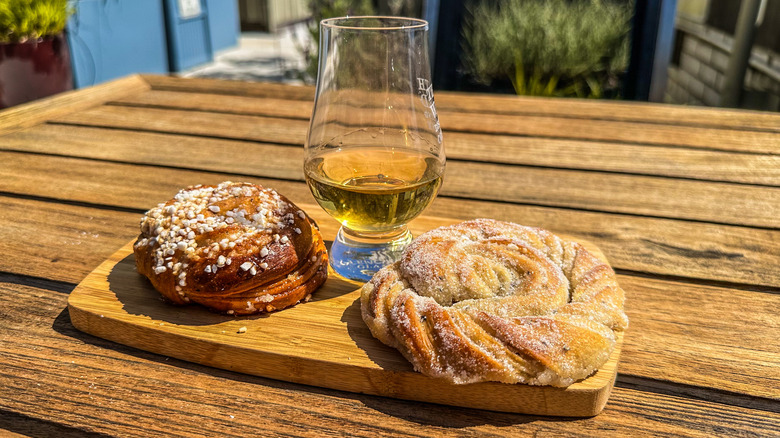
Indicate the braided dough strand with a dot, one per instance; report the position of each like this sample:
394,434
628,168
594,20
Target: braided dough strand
494,301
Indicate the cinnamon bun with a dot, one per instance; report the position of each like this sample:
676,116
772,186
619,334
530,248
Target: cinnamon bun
236,248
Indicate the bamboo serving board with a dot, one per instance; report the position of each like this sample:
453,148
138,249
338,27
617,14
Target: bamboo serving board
322,343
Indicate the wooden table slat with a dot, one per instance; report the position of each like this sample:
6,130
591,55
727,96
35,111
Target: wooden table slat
239,126
718,166
547,127
628,194
62,243
33,113
502,104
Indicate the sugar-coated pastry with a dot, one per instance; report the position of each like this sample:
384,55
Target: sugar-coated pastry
486,300
236,248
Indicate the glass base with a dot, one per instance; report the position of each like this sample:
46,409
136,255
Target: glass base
358,258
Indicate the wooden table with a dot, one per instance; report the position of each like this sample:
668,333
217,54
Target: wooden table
684,201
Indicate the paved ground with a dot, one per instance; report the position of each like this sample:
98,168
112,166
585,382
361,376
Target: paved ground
259,57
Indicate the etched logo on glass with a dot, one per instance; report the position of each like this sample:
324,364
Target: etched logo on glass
425,89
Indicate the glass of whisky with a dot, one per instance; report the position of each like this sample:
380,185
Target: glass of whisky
373,155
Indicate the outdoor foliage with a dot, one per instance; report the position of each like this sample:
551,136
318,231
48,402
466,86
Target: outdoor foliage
22,20
550,47
320,10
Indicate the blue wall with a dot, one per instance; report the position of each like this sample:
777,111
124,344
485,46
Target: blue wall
113,38
224,24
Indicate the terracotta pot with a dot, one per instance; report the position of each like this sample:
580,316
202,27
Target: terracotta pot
34,69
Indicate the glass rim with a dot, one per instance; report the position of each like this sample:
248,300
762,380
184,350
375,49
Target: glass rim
415,23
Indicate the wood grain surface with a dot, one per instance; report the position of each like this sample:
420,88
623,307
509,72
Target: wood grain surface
683,201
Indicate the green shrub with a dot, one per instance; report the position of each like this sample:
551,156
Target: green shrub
22,20
549,47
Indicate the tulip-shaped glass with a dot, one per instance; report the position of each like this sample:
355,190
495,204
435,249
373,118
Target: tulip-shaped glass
373,155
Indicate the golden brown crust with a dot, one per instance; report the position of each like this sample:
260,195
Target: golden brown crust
237,248
489,300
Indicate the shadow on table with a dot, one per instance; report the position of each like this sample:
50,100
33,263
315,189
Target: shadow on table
39,428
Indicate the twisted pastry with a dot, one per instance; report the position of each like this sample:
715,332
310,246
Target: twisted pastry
236,248
495,301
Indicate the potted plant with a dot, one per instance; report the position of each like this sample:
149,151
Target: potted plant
34,55
567,48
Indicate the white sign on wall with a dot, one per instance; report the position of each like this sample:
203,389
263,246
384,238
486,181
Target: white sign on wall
189,8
